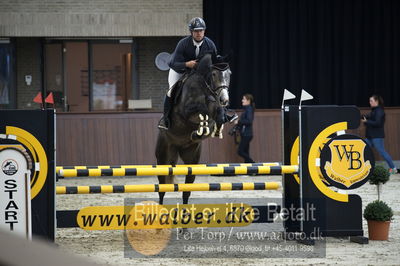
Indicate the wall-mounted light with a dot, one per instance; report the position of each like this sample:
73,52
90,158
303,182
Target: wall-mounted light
28,80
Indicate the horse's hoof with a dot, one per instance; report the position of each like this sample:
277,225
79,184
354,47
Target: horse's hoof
217,132
203,126
207,131
199,132
220,132
214,132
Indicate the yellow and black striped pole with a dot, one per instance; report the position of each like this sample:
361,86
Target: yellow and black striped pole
58,168
209,170
167,188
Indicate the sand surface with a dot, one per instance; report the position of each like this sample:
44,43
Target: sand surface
113,247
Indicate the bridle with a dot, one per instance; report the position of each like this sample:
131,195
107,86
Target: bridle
211,92
215,92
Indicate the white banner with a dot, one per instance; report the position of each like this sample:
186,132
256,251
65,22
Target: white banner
15,211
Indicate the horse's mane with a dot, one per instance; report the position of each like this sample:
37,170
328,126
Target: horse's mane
203,68
204,65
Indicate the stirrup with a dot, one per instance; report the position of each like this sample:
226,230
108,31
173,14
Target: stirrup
162,127
232,118
162,124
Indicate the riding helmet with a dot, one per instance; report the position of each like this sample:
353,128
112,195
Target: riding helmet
197,24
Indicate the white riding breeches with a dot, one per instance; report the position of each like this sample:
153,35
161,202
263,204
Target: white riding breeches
173,77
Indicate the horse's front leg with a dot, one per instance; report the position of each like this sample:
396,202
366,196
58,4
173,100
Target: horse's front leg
219,123
203,129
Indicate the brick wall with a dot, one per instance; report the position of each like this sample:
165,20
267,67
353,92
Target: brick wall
28,63
153,82
97,17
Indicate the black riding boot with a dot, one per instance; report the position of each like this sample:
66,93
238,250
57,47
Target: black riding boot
164,122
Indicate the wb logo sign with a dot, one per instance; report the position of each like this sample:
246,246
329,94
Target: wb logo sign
346,161
346,152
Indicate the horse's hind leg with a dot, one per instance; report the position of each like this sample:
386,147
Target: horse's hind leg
190,155
164,179
188,180
165,154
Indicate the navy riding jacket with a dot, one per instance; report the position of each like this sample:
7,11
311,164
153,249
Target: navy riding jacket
246,121
186,51
375,123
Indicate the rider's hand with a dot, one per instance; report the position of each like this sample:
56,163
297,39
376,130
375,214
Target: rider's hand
191,64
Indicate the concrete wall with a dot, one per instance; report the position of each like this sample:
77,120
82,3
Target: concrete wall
100,18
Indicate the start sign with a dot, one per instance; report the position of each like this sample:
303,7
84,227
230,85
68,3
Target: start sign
15,211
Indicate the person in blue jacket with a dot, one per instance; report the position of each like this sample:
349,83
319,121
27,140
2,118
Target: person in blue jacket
245,127
375,133
184,58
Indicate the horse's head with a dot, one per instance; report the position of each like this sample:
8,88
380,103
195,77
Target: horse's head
220,80
217,78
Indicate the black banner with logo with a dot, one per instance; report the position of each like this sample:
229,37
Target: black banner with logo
331,157
34,130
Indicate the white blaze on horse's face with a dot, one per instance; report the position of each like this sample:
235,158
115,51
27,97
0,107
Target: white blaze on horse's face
221,81
224,97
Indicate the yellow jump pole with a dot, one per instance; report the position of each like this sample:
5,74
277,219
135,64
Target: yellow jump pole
208,170
167,188
58,168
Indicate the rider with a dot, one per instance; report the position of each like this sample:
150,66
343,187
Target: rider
184,58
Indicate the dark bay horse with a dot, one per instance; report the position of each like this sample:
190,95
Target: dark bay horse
197,113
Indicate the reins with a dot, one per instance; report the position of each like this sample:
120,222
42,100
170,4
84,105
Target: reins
215,93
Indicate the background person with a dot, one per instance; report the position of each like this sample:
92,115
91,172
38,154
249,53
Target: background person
375,133
245,127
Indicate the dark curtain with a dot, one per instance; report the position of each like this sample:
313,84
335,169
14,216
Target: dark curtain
340,51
